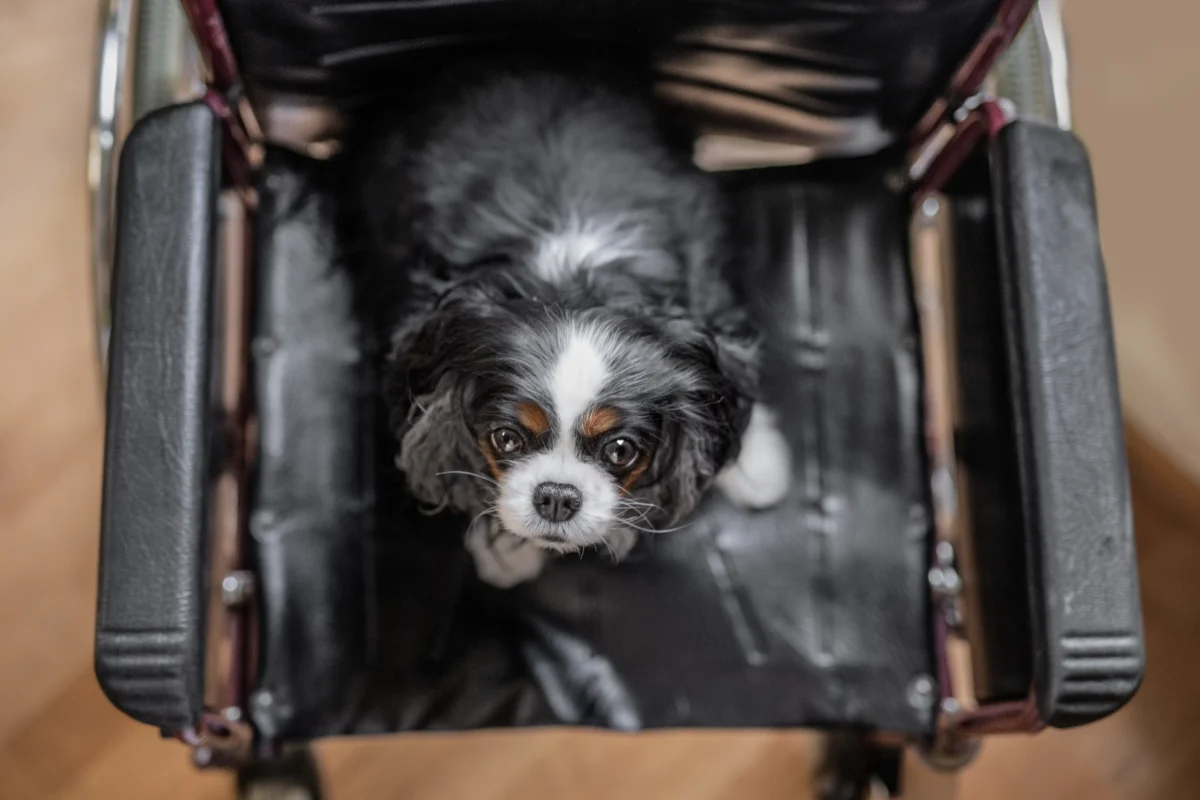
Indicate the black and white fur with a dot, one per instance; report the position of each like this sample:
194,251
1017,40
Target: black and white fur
561,256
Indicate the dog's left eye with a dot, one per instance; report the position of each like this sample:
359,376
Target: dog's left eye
620,452
507,441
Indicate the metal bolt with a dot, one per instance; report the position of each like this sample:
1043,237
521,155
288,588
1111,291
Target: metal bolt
918,519
261,521
945,583
921,693
262,700
237,588
949,751
930,207
263,346
202,756
895,180
233,714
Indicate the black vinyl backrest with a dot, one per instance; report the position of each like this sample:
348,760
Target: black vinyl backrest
160,426
846,77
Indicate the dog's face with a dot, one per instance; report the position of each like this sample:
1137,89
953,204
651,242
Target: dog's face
569,441
571,428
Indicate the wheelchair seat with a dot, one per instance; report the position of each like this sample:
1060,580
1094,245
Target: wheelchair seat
813,613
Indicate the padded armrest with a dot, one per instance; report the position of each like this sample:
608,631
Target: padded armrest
1088,654
160,429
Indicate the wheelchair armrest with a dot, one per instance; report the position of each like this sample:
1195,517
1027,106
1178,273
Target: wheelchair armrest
160,427
1088,654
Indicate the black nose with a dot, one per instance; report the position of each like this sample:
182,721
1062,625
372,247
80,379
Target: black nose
556,502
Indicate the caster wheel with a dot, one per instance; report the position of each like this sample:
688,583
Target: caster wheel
853,768
293,776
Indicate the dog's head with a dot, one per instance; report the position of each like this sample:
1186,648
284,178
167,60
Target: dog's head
570,426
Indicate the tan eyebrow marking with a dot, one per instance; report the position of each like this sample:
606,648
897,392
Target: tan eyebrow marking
599,421
485,447
635,473
533,417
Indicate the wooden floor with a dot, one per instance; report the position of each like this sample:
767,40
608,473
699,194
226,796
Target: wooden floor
58,736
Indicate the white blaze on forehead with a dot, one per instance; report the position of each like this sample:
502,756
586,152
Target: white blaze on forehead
575,383
579,376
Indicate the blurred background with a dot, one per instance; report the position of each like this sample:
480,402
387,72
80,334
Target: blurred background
1134,66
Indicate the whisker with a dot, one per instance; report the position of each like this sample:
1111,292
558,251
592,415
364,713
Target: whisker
641,517
489,510
655,530
632,503
470,475
644,509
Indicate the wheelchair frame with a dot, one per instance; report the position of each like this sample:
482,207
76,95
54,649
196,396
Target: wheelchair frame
948,135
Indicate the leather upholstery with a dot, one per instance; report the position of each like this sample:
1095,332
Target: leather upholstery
812,614
833,78
160,428
1085,611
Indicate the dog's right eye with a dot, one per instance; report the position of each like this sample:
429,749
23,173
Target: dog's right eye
507,441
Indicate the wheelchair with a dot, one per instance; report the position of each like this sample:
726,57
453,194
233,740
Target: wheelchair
955,559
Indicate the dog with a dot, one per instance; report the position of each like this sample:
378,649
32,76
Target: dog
568,363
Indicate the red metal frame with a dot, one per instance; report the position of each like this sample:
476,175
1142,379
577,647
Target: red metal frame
981,124
975,68
213,41
219,739
235,141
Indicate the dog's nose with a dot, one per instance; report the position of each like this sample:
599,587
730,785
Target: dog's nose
556,502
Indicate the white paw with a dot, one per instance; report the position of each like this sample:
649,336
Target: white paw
501,559
760,476
620,541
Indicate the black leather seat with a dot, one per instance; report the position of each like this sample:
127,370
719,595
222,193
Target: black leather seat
814,613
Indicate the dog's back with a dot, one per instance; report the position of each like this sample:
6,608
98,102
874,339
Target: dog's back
560,171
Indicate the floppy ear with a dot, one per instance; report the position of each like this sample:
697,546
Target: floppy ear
710,411
429,382
723,352
437,448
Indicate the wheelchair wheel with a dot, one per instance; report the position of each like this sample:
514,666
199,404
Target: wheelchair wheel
854,768
294,776
145,59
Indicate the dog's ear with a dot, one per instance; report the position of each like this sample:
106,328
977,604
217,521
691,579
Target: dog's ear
723,352
430,381
438,451
704,421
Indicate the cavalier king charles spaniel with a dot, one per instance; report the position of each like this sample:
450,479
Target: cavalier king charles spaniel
568,364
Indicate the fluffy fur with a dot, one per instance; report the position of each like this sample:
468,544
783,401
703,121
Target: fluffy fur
568,364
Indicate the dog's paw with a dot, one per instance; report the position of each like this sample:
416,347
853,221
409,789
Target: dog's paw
619,542
760,476
501,559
